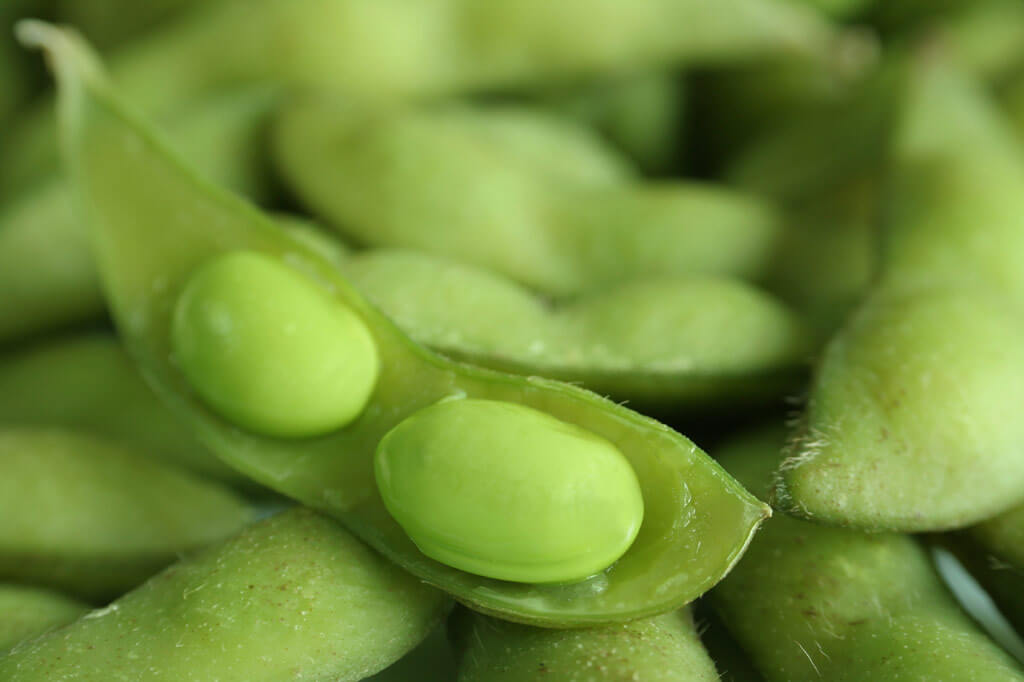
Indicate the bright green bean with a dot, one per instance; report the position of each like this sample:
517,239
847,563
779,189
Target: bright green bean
912,422
812,602
380,176
293,597
660,649
87,383
28,612
270,350
697,521
47,271
95,519
535,500
470,44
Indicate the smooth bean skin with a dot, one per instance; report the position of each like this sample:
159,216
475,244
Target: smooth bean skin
508,492
696,520
94,519
292,597
47,271
476,45
27,612
912,423
87,383
811,601
655,342
266,348
557,236
660,649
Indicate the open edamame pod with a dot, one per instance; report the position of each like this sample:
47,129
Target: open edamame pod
664,648
696,519
291,597
376,175
94,519
811,602
472,44
87,383
27,612
913,420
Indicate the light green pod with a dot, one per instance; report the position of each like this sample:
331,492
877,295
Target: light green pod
640,114
553,234
508,492
912,422
47,271
471,45
812,602
660,649
86,382
654,342
269,350
27,612
292,597
95,519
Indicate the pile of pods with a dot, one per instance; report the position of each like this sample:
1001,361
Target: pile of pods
355,340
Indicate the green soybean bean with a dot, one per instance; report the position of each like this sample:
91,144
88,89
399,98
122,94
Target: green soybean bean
294,596
810,601
696,519
94,519
655,649
309,372
47,271
377,176
87,383
912,421
27,612
477,44
536,500
656,342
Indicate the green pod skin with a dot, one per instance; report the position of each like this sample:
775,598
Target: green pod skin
912,423
655,342
87,383
95,519
640,114
697,520
326,45
432,661
664,648
292,597
811,602
47,272
551,234
28,612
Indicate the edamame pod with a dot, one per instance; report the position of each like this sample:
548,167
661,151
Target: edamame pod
294,596
433,660
27,612
665,648
733,663
95,519
696,520
816,602
377,175
47,273
654,342
87,383
913,422
472,44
